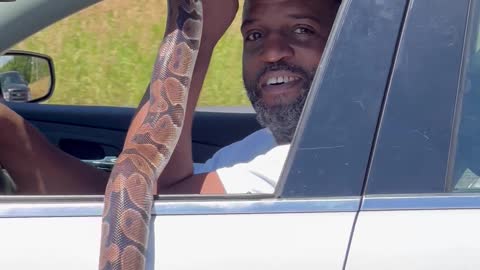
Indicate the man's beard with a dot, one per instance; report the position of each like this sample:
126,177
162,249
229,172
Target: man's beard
281,119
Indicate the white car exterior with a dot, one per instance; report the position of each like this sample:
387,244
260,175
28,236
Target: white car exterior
346,199
204,235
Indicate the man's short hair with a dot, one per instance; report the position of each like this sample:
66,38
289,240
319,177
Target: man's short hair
338,1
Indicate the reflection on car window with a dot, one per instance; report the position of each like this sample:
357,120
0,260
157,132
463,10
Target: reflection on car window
104,55
466,174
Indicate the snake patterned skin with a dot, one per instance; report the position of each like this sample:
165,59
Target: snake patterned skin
128,196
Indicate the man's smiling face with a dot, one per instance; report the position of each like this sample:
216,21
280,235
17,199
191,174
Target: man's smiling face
283,44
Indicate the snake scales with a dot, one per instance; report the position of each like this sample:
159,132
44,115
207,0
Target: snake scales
128,196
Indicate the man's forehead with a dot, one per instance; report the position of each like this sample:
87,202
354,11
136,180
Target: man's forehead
258,7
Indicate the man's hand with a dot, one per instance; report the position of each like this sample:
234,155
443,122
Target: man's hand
218,16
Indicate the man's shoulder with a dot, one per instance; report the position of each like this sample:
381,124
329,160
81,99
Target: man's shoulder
257,143
262,136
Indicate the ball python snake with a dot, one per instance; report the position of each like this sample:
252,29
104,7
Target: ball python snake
129,193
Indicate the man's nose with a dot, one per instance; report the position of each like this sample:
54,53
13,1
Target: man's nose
276,48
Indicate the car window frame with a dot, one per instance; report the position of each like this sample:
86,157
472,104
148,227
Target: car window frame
290,196
387,161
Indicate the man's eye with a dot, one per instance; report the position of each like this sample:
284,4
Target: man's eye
303,30
253,36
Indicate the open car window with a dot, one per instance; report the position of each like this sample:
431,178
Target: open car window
331,148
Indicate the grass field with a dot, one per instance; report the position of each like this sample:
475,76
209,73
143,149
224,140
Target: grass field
103,55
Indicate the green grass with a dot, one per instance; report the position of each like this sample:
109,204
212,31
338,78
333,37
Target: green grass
104,56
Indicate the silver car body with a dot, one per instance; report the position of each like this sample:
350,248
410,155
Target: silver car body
390,232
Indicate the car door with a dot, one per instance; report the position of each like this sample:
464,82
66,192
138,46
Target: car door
422,203
307,223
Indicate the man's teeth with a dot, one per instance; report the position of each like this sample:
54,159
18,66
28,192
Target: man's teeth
281,80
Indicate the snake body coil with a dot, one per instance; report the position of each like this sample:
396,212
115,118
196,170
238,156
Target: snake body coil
128,197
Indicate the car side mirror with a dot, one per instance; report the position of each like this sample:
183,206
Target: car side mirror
26,77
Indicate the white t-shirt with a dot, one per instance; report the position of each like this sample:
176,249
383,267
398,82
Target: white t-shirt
252,165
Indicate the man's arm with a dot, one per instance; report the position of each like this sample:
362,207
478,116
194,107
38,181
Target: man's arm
40,168
208,183
177,176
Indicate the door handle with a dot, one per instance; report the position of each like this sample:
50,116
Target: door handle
105,163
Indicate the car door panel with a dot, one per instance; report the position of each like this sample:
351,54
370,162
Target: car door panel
83,142
94,132
254,239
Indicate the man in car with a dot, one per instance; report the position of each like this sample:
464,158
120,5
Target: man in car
283,44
